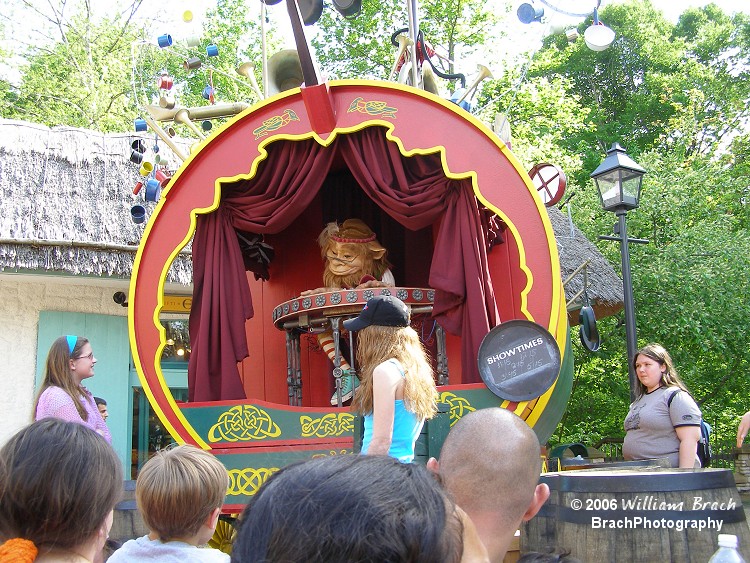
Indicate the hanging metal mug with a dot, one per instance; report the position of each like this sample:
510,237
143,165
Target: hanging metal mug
153,190
164,40
167,102
164,82
138,214
192,63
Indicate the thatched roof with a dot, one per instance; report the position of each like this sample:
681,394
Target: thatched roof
604,286
66,198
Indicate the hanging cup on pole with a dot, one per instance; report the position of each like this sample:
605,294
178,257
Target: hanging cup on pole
212,50
192,63
164,40
146,168
138,214
140,124
153,190
164,82
136,157
161,177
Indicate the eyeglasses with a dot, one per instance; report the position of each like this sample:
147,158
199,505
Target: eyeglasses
88,356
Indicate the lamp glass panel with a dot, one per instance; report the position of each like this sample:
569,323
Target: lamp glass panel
631,187
608,185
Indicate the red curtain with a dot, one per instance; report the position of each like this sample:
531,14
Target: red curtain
284,185
413,191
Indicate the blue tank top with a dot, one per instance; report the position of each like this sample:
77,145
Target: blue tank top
406,429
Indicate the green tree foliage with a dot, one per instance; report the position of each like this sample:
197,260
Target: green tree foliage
676,96
100,73
360,47
82,77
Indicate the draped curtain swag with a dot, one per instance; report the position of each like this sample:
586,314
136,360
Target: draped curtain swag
413,191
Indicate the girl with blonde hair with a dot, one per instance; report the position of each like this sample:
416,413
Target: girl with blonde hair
397,392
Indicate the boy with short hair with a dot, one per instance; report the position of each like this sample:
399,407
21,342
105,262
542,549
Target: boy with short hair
179,493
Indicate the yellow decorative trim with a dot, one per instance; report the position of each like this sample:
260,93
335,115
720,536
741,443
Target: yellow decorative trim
458,405
331,424
247,481
243,423
275,123
333,452
556,322
372,108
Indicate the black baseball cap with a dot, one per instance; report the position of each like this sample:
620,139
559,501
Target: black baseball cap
383,310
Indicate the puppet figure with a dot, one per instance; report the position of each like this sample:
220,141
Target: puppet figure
353,259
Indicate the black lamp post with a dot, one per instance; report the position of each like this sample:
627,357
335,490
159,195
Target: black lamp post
618,179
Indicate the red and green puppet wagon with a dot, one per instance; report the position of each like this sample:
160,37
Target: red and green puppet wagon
469,241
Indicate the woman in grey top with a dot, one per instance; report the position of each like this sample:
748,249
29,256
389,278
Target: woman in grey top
664,420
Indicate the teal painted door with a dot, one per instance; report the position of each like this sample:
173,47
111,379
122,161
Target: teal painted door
109,339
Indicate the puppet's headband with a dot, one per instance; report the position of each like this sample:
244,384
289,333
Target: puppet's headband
352,240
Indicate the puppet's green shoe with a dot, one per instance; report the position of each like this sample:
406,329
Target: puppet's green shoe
349,382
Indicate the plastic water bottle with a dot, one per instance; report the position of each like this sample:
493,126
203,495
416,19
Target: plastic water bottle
727,552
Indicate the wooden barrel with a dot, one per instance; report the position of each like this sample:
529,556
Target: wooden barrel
649,515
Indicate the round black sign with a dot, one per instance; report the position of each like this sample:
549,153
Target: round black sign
519,360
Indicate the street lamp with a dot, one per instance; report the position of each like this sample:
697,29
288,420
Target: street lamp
618,179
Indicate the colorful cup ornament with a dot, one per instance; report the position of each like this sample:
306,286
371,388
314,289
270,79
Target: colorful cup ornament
136,157
164,82
164,40
192,63
138,214
153,190
161,177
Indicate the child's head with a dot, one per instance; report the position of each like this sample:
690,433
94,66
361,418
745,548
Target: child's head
178,490
59,482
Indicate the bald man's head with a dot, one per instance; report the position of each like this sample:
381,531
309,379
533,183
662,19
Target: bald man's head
490,462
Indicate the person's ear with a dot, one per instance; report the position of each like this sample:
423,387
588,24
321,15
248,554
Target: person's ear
541,494
213,518
433,465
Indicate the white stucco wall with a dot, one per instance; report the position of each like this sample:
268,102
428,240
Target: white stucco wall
22,297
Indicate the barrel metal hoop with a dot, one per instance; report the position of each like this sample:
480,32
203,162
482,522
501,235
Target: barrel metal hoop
646,483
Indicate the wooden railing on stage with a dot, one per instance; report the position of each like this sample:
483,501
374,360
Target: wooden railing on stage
324,311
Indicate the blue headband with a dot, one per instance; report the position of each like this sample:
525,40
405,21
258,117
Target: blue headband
72,341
